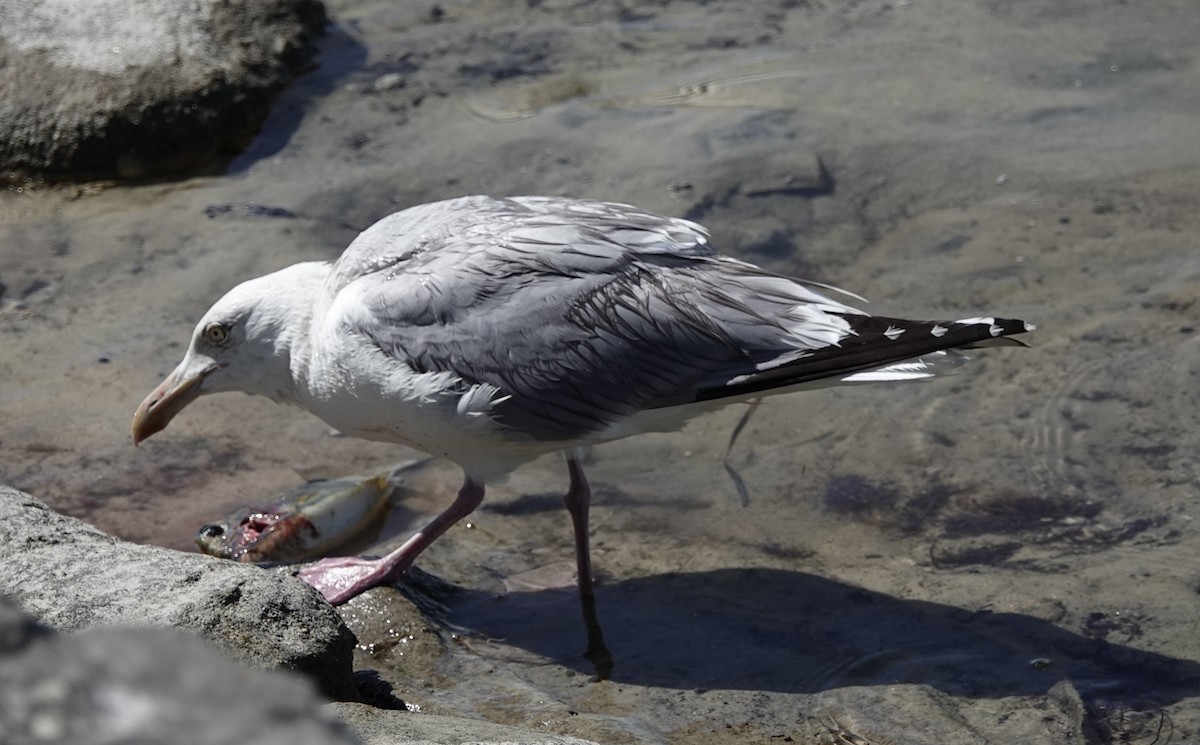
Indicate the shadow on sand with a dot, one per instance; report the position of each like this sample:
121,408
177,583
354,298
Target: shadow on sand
774,630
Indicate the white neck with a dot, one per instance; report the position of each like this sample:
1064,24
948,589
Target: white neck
286,320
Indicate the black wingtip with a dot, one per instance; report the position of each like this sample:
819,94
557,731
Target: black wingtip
1001,329
876,341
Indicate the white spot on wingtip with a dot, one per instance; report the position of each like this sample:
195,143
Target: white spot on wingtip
1030,326
995,330
938,330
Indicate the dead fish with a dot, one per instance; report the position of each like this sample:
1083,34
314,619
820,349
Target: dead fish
307,522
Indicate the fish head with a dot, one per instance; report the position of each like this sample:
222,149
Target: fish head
251,535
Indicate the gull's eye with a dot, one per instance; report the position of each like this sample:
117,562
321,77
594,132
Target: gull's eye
216,333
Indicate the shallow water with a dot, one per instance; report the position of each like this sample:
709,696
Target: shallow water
921,562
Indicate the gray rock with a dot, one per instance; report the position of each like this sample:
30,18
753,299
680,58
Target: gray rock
127,89
146,686
70,576
376,727
139,685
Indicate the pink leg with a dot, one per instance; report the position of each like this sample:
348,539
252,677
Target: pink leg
341,578
577,499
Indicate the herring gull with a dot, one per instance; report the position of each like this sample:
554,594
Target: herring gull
492,331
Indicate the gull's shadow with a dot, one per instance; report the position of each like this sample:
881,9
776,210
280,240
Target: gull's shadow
774,630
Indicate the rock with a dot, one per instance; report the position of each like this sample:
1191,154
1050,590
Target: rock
801,174
376,727
118,88
914,713
132,684
71,576
112,686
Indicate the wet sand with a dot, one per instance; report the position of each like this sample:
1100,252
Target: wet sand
912,557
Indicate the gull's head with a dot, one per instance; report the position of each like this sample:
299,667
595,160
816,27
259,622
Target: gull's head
244,342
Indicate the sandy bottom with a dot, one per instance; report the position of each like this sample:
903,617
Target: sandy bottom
995,555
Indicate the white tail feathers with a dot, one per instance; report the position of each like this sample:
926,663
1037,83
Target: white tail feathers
929,365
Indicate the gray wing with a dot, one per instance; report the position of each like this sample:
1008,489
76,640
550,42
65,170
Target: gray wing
583,313
430,237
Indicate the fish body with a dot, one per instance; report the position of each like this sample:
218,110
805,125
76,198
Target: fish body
307,522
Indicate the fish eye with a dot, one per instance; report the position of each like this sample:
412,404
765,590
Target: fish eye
216,333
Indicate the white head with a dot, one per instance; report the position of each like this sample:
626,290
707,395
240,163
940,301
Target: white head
243,343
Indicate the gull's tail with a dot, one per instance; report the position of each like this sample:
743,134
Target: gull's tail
879,349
